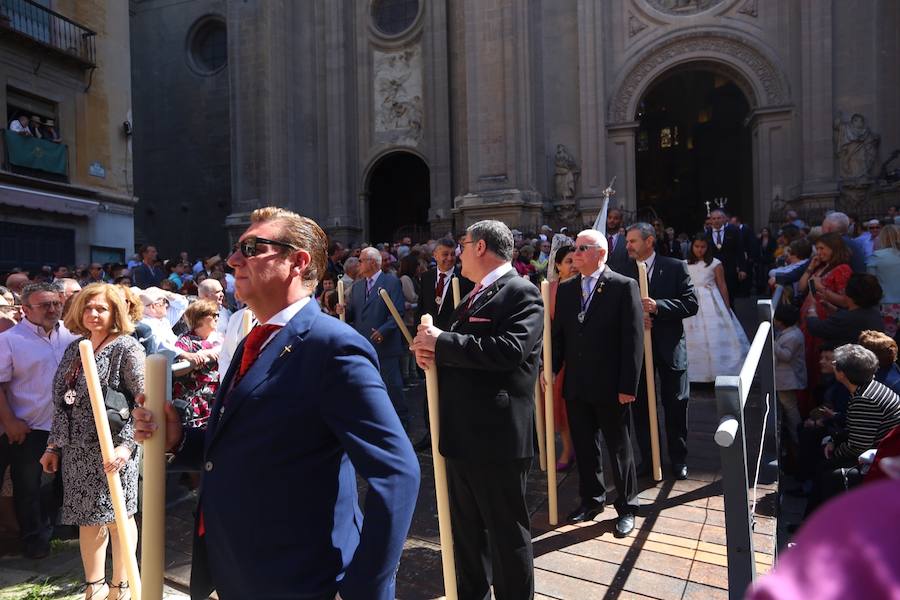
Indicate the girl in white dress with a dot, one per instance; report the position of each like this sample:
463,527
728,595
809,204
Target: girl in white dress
716,342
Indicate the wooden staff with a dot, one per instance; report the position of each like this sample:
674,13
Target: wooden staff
246,322
89,366
539,422
390,304
549,425
651,379
440,475
454,287
153,523
341,298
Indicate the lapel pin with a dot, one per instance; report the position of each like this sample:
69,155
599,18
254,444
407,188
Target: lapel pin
287,350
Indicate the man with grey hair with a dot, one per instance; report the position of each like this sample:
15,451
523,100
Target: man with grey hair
838,222
368,314
30,353
873,411
598,337
671,299
487,363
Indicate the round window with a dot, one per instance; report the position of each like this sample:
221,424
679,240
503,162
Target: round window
209,46
393,17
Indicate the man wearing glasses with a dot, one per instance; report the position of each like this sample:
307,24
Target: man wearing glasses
30,352
301,411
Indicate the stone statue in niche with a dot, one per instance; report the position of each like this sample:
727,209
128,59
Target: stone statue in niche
565,173
855,145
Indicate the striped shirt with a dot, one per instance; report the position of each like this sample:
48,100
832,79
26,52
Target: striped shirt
873,411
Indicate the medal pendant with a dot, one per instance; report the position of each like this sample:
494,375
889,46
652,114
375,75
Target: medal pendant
581,317
69,397
438,300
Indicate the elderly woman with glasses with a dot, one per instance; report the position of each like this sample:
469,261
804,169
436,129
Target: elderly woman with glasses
98,314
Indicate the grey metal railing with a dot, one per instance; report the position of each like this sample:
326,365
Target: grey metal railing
731,398
48,28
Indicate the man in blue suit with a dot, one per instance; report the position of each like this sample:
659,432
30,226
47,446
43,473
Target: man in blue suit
369,315
301,410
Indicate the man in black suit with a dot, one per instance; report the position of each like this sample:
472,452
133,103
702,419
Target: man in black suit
436,299
726,244
672,299
750,246
617,257
487,365
598,335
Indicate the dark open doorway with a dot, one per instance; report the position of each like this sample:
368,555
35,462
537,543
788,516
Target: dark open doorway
693,146
399,198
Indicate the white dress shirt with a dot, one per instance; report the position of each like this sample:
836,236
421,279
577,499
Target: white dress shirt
491,277
29,358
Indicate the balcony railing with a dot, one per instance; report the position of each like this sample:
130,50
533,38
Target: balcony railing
35,157
29,20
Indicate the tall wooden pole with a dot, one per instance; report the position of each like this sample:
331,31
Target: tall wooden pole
539,422
549,425
440,478
396,314
651,379
89,366
153,522
340,288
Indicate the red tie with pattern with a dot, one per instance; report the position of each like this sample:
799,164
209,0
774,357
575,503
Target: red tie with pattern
439,290
472,296
253,346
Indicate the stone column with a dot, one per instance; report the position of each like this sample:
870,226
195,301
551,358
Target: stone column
257,35
498,114
620,160
592,109
773,164
816,105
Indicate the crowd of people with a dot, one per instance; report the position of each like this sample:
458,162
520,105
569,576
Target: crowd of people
835,350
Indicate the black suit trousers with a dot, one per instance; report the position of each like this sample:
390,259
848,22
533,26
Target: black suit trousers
586,421
491,529
674,391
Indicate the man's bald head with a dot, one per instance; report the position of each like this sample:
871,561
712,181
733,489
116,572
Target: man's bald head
16,282
211,289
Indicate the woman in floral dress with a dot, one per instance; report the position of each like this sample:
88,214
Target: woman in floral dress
99,314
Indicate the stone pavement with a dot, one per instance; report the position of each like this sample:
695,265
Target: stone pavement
677,550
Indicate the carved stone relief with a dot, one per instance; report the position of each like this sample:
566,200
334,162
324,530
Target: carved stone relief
683,7
855,146
750,8
672,51
635,25
398,106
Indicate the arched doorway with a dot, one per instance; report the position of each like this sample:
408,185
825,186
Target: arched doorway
399,196
693,145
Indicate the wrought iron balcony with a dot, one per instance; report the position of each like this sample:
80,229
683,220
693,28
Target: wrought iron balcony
29,21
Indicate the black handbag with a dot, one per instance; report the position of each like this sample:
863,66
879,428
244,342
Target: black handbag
118,410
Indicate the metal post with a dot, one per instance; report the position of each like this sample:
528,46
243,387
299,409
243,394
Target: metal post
766,371
741,558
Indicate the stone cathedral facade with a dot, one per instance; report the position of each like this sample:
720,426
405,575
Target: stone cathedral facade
384,117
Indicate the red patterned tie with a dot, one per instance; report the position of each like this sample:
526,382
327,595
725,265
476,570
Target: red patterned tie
253,346
472,296
439,290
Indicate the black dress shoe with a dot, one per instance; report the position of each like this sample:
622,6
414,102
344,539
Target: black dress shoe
681,471
423,444
585,512
624,525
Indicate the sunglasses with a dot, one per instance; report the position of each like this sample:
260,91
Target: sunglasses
248,246
586,247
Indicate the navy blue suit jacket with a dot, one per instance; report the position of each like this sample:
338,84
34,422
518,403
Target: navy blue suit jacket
364,315
279,459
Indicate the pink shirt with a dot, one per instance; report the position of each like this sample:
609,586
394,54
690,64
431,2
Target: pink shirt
28,361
